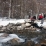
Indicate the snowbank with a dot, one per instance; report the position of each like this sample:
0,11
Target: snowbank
39,23
10,37
7,21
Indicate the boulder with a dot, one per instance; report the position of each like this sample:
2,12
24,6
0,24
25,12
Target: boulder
37,45
43,42
30,43
21,27
3,28
14,41
44,27
33,29
28,24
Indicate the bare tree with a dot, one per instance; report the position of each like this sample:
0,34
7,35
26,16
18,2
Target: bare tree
21,8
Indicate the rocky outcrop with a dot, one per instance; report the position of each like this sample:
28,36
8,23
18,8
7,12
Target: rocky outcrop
14,27
29,32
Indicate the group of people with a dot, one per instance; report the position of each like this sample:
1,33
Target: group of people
39,17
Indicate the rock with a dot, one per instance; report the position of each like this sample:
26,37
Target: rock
43,42
10,28
9,39
28,24
10,24
37,45
18,24
14,41
30,43
28,28
31,26
33,29
44,27
3,28
21,27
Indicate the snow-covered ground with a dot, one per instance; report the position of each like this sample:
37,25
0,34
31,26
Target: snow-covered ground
5,22
39,23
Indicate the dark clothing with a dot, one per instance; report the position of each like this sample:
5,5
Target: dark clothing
34,17
44,15
40,18
29,16
35,25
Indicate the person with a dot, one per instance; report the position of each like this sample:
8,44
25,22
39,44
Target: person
29,16
41,17
44,15
33,18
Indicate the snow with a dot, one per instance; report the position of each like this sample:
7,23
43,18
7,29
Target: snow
39,23
1,34
13,35
10,37
5,22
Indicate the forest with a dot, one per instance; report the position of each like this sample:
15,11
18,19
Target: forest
21,8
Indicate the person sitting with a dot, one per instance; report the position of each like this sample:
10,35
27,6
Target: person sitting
33,18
